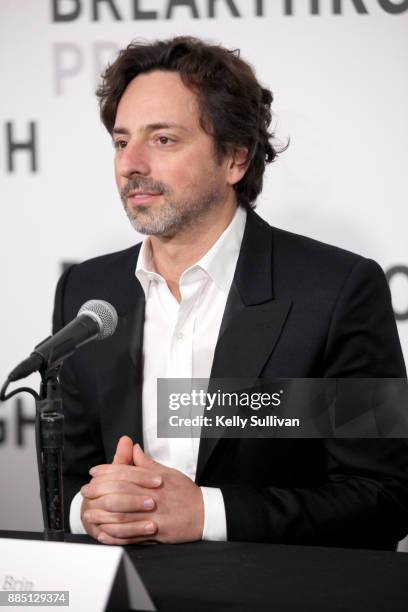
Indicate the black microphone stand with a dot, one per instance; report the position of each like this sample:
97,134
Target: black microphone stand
49,437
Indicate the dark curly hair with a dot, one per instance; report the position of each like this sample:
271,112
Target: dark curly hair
234,108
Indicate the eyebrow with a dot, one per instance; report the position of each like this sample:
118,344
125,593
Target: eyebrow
151,127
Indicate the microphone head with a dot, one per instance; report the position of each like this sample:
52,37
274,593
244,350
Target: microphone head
104,314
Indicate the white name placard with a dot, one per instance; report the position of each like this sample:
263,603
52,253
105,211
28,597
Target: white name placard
94,576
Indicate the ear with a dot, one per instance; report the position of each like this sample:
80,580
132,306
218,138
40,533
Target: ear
238,163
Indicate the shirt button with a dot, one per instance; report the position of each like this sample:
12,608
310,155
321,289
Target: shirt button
180,336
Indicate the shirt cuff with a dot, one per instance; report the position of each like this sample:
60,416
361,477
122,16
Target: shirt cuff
215,521
75,522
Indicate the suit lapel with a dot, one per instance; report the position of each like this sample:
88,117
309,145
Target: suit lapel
121,376
248,339
253,320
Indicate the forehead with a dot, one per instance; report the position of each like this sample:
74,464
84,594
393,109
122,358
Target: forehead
157,97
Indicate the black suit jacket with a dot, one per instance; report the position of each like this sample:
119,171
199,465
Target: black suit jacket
297,308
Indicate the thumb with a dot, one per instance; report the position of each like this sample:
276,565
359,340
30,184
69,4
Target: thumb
124,451
140,459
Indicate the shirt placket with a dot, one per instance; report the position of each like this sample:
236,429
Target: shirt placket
180,362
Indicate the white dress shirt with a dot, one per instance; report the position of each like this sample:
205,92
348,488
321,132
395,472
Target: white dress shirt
178,342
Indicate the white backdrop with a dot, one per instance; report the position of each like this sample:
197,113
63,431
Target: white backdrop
341,91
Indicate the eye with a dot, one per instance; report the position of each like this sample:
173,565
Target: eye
164,140
119,144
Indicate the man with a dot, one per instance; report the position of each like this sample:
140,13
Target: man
215,291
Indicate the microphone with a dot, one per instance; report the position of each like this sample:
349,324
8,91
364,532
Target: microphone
96,320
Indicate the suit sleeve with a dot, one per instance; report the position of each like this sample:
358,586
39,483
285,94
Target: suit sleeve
82,447
364,498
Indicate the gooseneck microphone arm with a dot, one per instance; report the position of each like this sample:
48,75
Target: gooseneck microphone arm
53,350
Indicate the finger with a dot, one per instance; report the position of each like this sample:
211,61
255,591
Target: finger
97,488
140,476
97,516
129,530
104,538
116,502
124,451
101,503
142,460
92,529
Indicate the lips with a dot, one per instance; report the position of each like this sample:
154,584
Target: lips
142,197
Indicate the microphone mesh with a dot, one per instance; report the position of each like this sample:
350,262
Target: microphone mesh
104,313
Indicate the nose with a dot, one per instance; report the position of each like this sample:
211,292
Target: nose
133,160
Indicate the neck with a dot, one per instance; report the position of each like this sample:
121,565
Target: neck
172,255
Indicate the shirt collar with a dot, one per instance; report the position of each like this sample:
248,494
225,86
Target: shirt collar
219,262
145,269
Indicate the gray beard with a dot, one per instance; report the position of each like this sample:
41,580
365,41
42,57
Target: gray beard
173,215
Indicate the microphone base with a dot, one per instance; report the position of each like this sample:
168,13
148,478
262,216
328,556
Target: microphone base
52,535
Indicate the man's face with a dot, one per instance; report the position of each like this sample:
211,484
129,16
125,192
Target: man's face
165,165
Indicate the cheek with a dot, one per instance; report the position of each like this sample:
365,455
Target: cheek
116,171
207,177
120,180
178,174
189,173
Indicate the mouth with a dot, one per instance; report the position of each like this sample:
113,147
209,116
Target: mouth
143,197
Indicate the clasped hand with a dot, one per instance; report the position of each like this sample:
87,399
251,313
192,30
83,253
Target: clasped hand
136,499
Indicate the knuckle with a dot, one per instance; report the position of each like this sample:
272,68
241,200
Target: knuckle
117,485
120,517
121,485
97,516
111,530
107,503
89,517
85,505
140,476
92,504
93,531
